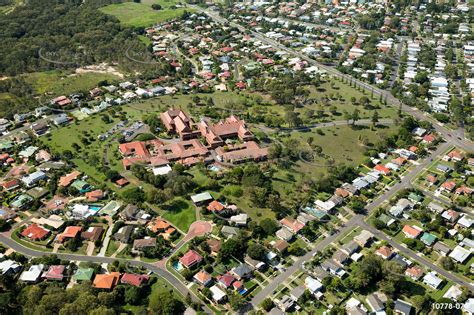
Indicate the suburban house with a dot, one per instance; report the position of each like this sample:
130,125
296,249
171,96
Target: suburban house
134,279
203,278
190,259
35,232
106,281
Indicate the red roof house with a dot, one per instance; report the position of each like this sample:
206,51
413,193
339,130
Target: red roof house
225,280
106,281
69,232
55,273
382,169
384,252
11,184
190,259
448,186
35,232
411,232
215,206
134,279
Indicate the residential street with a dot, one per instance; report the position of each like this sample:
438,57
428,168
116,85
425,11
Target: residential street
100,260
453,136
357,220
418,258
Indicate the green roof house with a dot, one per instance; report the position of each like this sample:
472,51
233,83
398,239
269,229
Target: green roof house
21,201
387,220
83,274
81,185
428,239
5,145
415,198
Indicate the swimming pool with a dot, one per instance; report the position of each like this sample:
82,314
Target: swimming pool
178,266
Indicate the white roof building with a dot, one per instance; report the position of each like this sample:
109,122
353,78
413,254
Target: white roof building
460,254
32,274
312,284
217,294
432,280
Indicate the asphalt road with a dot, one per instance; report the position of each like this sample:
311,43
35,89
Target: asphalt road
419,258
167,276
357,220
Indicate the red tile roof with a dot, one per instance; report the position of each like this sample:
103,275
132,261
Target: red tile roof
106,281
215,206
10,184
134,279
384,251
190,258
55,272
292,224
69,232
203,277
94,195
66,180
382,169
35,232
226,279
411,231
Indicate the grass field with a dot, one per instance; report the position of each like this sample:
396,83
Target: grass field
180,212
141,14
340,143
59,83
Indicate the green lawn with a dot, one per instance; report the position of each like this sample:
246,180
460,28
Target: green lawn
340,143
63,83
112,247
180,212
141,14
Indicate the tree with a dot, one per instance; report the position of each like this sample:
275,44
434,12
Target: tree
269,226
375,119
447,263
156,6
257,251
267,304
236,301
133,195
366,272
378,224
420,302
133,295
355,116
164,302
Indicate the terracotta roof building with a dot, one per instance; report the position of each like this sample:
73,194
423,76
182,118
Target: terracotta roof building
292,224
384,252
175,120
203,277
411,232
158,225
67,180
55,273
94,195
106,281
156,153
240,153
69,232
35,232
414,272
231,127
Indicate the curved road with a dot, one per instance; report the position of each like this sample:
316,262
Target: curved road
97,259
